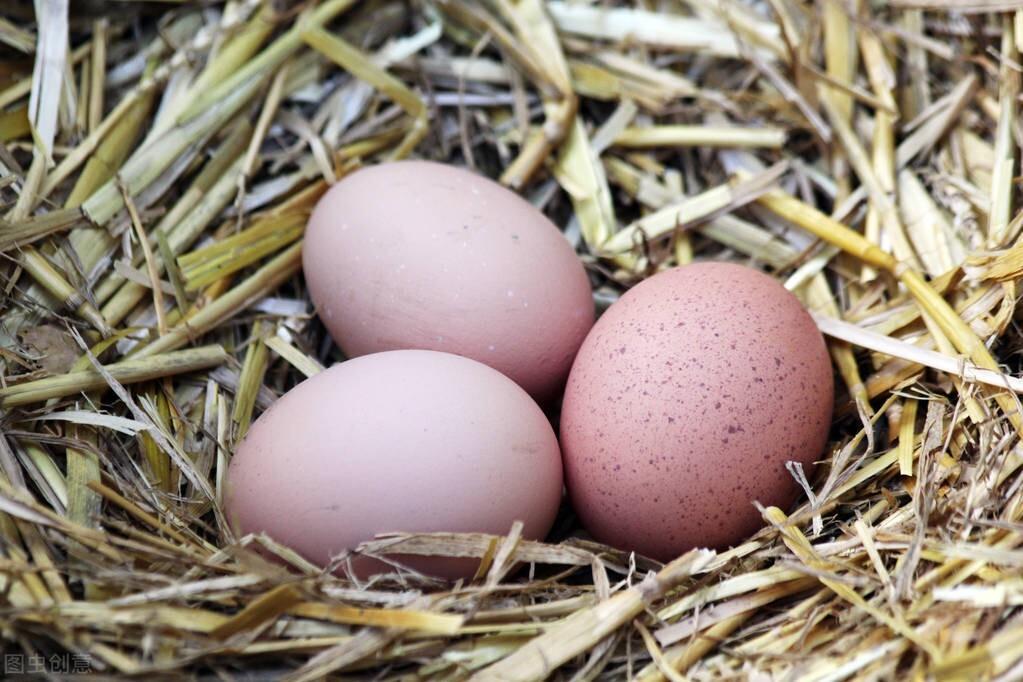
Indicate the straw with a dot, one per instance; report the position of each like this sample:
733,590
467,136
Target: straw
158,166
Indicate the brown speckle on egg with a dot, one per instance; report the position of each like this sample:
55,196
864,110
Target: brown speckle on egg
742,381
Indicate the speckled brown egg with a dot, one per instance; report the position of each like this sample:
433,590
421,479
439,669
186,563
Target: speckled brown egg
412,441
684,404
416,254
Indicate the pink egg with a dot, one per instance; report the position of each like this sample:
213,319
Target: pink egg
411,441
418,254
684,404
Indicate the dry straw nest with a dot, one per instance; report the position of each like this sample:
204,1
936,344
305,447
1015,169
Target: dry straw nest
157,166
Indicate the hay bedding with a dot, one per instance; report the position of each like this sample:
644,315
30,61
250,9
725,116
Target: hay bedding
159,160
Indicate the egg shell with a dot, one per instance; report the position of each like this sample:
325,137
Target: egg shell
416,254
685,402
411,441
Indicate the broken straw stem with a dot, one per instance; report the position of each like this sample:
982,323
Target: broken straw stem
655,137
865,338
126,372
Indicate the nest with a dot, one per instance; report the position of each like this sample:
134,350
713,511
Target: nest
158,163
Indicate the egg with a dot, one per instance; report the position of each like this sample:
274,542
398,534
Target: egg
410,440
416,254
684,404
